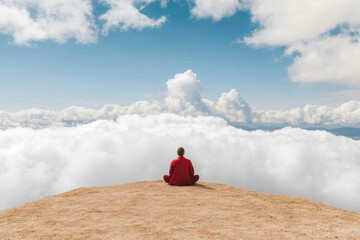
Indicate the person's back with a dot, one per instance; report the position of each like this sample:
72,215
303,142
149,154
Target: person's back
181,171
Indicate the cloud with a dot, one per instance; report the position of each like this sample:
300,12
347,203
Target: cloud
184,98
215,9
74,115
183,95
232,107
347,114
39,20
125,14
323,35
283,22
312,164
148,95
163,3
346,94
330,59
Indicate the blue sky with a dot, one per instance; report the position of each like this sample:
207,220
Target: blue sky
124,65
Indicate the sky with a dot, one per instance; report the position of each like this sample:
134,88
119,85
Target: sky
92,53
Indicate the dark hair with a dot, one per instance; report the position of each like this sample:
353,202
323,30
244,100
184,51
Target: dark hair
181,151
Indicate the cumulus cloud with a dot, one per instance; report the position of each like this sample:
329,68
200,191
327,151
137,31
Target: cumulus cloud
311,164
333,59
183,95
39,20
283,22
215,9
347,114
323,35
184,98
126,14
72,116
232,107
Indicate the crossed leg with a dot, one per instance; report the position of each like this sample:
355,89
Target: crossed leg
194,179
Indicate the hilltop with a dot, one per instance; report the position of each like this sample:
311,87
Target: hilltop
156,210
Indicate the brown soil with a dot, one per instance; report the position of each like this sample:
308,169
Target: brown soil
156,210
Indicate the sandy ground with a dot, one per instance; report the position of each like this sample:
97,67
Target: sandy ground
156,210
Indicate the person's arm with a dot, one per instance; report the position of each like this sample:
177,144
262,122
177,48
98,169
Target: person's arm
191,169
171,170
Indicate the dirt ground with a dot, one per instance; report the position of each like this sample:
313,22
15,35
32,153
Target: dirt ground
156,210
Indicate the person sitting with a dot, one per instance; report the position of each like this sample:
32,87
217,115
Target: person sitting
181,171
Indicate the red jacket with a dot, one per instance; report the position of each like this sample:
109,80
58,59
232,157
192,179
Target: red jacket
181,172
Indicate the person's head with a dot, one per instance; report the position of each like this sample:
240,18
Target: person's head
181,151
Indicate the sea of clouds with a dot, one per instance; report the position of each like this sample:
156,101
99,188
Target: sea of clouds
312,164
46,152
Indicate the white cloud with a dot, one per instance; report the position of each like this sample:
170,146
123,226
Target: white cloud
39,20
163,3
311,164
126,14
148,95
60,20
184,98
332,59
353,94
215,9
71,116
324,34
80,115
284,22
233,108
347,114
183,95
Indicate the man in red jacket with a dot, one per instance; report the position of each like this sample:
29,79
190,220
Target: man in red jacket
181,171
